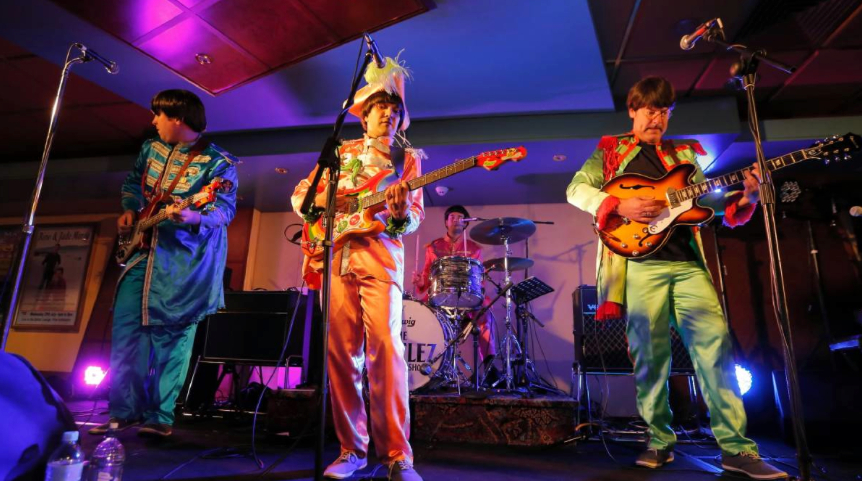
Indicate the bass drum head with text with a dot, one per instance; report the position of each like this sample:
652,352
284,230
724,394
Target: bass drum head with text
424,335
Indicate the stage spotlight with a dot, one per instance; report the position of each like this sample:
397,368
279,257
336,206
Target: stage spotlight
93,375
743,377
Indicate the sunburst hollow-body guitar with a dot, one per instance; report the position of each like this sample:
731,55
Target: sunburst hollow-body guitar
632,239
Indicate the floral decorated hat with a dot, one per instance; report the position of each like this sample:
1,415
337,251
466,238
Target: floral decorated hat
389,78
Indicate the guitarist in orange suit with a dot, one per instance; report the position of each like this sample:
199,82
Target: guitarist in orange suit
670,287
368,281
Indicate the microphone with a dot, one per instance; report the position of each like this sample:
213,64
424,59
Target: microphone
856,211
687,41
90,54
372,47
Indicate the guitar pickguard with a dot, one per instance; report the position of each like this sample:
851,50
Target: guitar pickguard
668,215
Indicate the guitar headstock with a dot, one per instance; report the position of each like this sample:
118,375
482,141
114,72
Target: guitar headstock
836,148
208,193
493,159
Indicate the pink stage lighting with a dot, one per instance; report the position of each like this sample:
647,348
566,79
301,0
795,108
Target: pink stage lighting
93,375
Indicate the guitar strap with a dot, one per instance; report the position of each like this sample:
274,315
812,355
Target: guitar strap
396,154
196,149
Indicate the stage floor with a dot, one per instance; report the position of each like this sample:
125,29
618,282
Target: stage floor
216,448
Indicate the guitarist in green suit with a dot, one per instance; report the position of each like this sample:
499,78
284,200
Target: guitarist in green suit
671,286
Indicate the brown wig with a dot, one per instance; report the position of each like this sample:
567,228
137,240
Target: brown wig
655,92
182,105
382,97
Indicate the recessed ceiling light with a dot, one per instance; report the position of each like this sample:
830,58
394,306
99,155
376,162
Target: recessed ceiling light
203,59
559,157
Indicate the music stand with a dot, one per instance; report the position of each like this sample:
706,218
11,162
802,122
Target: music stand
529,289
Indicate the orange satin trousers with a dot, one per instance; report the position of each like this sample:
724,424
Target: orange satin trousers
365,330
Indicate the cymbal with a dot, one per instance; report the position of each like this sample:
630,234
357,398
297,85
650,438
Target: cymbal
515,264
495,231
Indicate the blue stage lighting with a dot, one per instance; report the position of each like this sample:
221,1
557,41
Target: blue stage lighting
743,377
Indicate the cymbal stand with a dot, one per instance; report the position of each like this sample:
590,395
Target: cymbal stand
511,345
467,328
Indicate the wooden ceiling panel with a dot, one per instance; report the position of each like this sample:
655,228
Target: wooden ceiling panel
245,39
128,20
851,33
9,49
79,91
277,32
177,47
718,72
21,90
610,20
681,73
660,24
77,126
348,19
831,67
23,135
130,118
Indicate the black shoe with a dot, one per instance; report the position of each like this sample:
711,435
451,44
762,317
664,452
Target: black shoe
752,466
156,430
654,458
122,425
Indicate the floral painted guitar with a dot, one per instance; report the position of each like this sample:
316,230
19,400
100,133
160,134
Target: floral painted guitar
359,219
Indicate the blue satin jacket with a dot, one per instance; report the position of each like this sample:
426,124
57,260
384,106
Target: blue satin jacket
183,283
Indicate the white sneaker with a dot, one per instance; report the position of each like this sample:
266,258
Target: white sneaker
344,467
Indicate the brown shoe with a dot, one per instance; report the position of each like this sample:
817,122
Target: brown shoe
155,430
122,425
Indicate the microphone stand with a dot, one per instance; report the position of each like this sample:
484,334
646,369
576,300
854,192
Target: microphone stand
749,60
329,161
27,227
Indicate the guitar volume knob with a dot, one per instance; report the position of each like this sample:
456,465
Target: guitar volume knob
636,253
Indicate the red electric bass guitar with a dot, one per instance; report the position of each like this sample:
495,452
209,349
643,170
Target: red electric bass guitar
140,235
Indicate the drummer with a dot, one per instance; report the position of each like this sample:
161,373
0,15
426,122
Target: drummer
455,243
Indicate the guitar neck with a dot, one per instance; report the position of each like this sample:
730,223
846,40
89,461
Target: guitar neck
727,180
421,181
162,215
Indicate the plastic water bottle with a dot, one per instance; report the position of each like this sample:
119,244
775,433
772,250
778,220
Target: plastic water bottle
106,463
67,461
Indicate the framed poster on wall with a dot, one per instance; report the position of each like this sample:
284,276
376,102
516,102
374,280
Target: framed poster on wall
55,273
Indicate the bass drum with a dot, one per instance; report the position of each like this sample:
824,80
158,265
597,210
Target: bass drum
424,332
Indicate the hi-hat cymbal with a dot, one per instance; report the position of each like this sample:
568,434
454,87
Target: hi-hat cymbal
515,264
496,231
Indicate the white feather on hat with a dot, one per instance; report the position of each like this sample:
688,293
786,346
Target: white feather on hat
389,78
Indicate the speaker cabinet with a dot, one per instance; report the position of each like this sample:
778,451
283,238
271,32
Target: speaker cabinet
603,346
254,326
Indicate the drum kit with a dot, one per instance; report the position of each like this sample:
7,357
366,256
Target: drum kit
433,332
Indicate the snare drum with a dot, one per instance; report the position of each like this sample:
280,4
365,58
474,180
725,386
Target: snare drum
424,333
456,282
